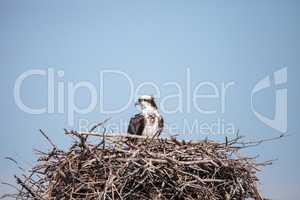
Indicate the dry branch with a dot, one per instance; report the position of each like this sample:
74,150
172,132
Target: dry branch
142,168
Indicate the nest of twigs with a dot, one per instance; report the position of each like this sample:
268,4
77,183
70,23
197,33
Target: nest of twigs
133,167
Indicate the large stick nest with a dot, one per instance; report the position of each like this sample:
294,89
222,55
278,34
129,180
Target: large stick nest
133,167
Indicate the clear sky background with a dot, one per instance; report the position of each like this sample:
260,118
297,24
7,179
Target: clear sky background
152,41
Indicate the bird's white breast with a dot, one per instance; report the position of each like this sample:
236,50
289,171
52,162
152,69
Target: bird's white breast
152,118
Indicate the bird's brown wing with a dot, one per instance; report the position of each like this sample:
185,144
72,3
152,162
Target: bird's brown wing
161,125
136,125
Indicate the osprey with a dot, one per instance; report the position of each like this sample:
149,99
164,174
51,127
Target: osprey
149,122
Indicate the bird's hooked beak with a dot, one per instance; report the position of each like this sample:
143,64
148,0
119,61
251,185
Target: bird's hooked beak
136,103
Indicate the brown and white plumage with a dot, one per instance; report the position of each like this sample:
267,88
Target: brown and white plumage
149,122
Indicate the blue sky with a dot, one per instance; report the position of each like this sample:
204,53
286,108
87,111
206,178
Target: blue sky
157,42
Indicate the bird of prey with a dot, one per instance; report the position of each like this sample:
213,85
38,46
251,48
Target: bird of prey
148,122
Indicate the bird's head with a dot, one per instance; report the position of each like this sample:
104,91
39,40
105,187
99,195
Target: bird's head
146,102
